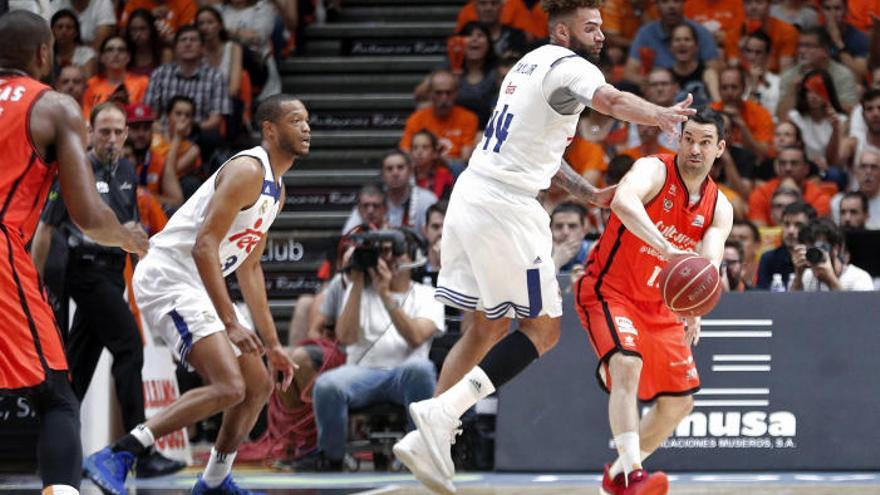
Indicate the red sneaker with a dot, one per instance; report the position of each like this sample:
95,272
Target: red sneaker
612,486
642,483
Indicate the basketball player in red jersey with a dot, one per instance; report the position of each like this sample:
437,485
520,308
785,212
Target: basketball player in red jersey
666,205
42,132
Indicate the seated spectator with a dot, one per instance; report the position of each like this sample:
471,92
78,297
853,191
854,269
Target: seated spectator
621,20
477,83
792,170
72,81
720,17
692,74
433,234
455,126
97,19
779,260
736,166
783,36
746,233
586,158
407,204
189,75
785,134
798,13
148,50
69,48
849,44
821,262
169,14
867,174
855,145
175,161
113,81
857,126
617,168
763,85
853,211
225,55
814,52
661,89
568,224
751,124
431,172
733,275
736,201
649,144
371,209
652,40
387,322
140,118
820,118
508,21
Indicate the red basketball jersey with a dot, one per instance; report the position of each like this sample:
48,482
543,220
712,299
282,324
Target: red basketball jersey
24,177
624,265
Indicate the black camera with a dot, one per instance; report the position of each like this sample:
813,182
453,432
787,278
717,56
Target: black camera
368,247
816,254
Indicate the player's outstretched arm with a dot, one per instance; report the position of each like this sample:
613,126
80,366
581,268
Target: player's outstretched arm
628,107
712,245
576,185
56,121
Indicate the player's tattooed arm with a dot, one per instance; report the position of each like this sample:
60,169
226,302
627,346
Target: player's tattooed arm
575,184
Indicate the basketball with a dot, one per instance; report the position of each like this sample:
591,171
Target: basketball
690,285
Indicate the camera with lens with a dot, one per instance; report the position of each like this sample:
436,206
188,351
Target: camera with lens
816,254
368,247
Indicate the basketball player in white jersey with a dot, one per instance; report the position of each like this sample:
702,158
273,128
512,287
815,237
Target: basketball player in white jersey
180,289
496,247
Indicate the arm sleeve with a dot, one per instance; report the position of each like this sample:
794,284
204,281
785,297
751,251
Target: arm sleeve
55,211
576,76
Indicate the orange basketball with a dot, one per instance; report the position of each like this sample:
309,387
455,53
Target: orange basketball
690,285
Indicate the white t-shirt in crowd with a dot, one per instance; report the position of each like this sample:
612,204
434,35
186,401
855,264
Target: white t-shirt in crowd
98,13
873,211
851,279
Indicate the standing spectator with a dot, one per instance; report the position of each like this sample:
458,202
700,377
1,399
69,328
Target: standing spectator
821,262
140,118
820,118
407,203
371,209
733,276
692,74
478,82
752,125
763,85
814,52
747,235
72,81
508,22
653,38
455,126
783,36
387,322
867,174
113,81
221,52
792,170
855,145
148,49
169,14
798,13
721,17
94,280
779,260
853,210
849,44
189,75
431,172
69,48
97,19
857,126
568,224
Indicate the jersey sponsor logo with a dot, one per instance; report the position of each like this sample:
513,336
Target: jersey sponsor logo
683,362
699,220
510,89
102,186
629,341
672,190
667,204
248,238
625,325
680,239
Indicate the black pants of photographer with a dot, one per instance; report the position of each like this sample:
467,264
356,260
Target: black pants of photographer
103,319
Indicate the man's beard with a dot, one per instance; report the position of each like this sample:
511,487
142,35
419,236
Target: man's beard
584,51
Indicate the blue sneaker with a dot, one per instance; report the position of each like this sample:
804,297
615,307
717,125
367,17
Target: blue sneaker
108,470
228,487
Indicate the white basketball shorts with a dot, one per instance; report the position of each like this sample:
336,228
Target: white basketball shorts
496,252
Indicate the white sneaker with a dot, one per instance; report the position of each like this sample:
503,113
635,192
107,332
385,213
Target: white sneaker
413,453
438,431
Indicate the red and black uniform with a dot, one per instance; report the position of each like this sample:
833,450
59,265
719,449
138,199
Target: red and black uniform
618,298
30,343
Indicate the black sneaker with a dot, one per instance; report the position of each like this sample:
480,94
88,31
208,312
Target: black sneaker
153,464
314,461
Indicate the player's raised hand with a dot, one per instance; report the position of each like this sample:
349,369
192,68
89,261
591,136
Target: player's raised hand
670,117
602,197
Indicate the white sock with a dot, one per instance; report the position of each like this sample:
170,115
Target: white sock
60,490
628,453
143,435
617,467
218,468
460,397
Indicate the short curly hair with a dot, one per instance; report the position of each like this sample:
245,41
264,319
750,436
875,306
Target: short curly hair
555,8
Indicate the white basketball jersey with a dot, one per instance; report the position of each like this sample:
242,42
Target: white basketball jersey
176,240
525,139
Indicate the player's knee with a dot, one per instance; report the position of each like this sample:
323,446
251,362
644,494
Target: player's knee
230,392
681,406
625,370
262,387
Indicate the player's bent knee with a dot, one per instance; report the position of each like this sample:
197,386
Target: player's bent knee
230,393
625,369
676,407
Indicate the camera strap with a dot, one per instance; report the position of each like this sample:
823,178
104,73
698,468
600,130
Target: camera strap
387,327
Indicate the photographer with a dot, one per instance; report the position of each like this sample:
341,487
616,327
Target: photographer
821,261
386,322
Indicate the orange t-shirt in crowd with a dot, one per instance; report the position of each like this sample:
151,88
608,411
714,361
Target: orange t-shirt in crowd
155,165
637,152
727,15
860,13
619,17
152,216
100,90
585,155
460,128
514,13
180,12
756,117
783,40
540,22
759,200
